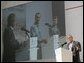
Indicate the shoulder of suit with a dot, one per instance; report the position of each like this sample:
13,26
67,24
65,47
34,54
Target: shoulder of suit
7,28
32,26
76,41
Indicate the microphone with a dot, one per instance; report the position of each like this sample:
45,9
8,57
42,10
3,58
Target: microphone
23,29
47,24
63,44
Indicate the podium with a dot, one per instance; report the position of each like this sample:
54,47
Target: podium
63,55
33,48
55,39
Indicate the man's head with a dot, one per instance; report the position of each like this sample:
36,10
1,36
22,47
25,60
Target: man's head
70,38
37,18
54,20
11,20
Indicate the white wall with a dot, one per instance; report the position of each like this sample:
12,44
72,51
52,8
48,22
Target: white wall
74,21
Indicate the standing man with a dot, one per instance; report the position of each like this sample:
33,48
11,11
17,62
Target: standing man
75,47
53,29
9,42
35,32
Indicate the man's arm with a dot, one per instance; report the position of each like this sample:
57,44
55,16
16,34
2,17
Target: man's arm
12,41
78,47
32,32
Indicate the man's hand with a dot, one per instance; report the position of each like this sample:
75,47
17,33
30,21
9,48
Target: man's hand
44,41
24,43
77,48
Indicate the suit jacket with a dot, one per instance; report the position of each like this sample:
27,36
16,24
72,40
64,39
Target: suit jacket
10,45
35,32
75,53
54,30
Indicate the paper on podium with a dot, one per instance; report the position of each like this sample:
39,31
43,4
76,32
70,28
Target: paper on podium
33,42
63,55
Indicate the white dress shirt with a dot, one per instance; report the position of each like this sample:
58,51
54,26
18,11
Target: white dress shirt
70,46
11,28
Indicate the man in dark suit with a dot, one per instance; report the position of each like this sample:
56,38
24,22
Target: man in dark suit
9,42
75,47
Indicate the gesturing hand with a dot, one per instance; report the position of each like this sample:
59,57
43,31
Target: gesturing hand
44,41
24,43
77,48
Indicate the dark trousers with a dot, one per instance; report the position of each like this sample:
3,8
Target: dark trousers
76,59
9,59
39,53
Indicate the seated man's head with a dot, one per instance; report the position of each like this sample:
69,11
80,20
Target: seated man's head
70,38
11,20
37,17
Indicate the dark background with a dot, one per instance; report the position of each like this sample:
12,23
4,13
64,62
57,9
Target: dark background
58,10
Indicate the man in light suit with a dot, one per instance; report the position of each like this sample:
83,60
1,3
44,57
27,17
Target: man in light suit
75,47
35,31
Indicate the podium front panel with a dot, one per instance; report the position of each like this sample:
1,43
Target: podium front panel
33,48
56,41
63,55
33,53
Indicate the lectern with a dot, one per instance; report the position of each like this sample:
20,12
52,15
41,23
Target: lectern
63,55
33,48
55,39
